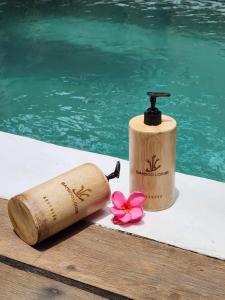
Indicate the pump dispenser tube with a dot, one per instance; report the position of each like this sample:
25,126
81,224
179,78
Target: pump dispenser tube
152,152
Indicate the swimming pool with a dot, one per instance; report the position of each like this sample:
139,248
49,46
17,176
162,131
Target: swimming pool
74,72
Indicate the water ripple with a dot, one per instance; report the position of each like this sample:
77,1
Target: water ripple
74,73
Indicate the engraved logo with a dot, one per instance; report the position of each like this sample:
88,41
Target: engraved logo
76,194
82,193
153,164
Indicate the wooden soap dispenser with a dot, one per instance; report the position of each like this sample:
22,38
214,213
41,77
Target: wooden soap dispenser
52,206
152,152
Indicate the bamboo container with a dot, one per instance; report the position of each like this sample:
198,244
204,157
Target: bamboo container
60,202
152,153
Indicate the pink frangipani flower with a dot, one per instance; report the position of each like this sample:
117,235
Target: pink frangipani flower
127,210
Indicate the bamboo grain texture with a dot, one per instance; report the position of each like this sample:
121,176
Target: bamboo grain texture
152,153
54,205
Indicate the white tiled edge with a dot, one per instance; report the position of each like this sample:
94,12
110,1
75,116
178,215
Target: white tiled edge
195,222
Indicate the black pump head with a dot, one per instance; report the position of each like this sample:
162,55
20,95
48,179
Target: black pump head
153,116
116,173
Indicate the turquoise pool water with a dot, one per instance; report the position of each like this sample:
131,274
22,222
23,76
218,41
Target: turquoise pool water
74,72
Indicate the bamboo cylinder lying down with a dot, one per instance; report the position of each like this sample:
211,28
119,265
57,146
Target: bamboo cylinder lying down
58,203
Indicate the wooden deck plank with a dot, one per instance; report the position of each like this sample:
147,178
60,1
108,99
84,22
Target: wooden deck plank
18,284
120,263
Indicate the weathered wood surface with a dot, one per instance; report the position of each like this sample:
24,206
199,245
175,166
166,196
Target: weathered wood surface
100,260
19,284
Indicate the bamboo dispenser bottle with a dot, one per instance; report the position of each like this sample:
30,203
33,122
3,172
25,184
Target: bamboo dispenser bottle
58,203
152,151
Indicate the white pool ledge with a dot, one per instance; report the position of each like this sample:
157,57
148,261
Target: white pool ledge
195,222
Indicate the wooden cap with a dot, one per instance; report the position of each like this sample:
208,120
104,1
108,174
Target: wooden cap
22,220
137,124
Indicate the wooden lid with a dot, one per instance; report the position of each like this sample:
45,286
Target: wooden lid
22,221
137,124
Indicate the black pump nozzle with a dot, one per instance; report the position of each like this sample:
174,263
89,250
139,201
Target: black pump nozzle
152,115
116,173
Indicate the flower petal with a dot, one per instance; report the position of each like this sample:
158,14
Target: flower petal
136,213
136,199
118,200
135,221
117,212
117,221
125,219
